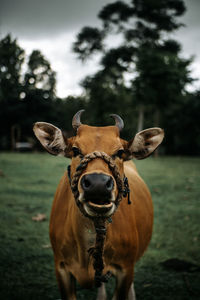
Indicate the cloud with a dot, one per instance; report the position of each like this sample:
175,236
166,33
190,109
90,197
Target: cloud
70,71
51,26
47,18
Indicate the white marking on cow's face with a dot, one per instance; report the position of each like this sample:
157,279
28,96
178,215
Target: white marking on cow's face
81,197
113,197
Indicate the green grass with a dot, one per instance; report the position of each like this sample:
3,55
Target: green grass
27,185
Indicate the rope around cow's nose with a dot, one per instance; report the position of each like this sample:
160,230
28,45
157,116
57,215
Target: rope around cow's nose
79,170
99,221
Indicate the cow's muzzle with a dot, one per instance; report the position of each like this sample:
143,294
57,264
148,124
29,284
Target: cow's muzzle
98,193
109,189
97,186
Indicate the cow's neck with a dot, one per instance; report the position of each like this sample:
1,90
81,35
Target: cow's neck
85,237
90,238
89,234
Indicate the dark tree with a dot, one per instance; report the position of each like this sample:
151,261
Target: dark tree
40,75
39,86
23,98
182,126
146,54
11,59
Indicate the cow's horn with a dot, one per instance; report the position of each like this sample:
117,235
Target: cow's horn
118,121
76,121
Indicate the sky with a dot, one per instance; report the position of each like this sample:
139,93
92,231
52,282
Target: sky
51,26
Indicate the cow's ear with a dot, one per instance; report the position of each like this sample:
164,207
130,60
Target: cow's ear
144,143
51,138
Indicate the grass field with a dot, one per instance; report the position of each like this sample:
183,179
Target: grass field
27,185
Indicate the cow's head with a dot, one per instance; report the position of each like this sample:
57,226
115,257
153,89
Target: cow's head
97,186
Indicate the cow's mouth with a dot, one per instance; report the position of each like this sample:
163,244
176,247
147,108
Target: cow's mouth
101,207
99,202
96,207
95,210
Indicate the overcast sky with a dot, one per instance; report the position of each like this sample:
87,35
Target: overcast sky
51,26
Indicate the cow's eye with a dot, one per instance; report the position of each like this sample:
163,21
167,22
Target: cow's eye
76,151
119,153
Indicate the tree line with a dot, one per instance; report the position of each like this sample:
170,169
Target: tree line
144,79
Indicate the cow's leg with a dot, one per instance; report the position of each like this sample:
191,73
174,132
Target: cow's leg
124,286
131,293
66,283
101,293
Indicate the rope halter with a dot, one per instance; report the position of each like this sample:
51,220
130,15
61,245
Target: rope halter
83,165
99,221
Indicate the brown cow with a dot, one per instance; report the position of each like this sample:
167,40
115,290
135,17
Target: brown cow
72,230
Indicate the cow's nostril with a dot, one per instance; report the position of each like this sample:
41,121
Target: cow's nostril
87,183
109,184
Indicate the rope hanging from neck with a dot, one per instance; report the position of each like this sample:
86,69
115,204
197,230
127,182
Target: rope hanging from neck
99,221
